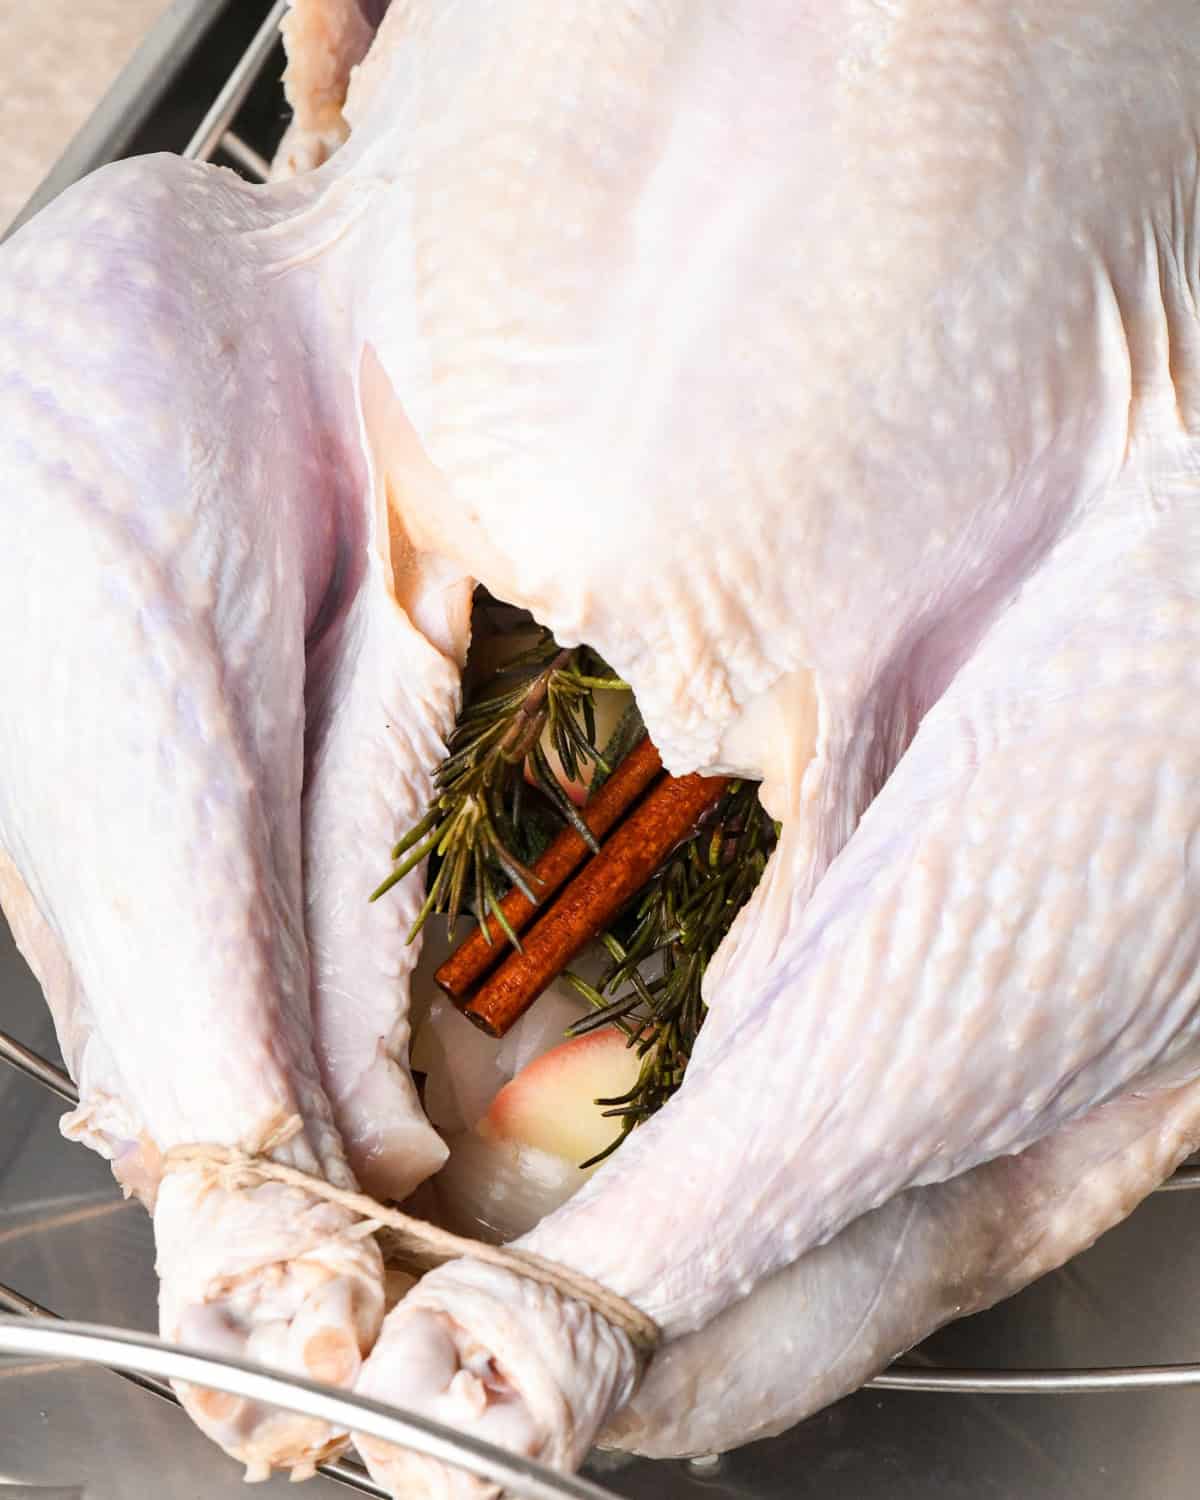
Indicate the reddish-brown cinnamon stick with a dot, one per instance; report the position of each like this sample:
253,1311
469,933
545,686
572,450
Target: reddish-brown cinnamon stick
606,883
467,965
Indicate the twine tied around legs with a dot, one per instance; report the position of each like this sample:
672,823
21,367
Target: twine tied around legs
410,1242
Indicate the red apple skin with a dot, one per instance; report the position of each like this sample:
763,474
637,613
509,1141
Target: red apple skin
550,1104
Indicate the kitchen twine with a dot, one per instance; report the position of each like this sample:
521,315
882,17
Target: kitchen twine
410,1242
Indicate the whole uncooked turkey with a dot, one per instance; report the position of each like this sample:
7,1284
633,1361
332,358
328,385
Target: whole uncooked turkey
833,370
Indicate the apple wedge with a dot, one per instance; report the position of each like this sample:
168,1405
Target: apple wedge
521,1160
550,1104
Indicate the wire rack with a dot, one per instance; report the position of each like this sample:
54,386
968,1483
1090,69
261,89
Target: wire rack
149,1363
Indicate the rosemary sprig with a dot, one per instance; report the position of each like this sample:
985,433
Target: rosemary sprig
680,920
483,827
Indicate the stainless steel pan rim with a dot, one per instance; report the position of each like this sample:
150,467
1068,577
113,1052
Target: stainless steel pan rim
898,1378
144,1354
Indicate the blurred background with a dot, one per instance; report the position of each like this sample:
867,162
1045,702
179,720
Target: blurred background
58,58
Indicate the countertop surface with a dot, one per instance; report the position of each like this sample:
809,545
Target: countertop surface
57,59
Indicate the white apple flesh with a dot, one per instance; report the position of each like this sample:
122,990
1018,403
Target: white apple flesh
522,1160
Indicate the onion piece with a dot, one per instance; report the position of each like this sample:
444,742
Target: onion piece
495,1190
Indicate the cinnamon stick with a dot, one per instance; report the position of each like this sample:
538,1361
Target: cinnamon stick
467,965
668,814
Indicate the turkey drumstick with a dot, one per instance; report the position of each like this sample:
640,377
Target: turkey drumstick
170,559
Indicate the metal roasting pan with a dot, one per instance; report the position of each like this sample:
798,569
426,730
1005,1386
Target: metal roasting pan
1117,1417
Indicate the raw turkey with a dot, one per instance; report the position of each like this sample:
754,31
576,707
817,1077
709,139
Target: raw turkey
833,371
325,41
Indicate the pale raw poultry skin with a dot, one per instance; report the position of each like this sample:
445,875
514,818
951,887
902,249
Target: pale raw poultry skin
831,369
